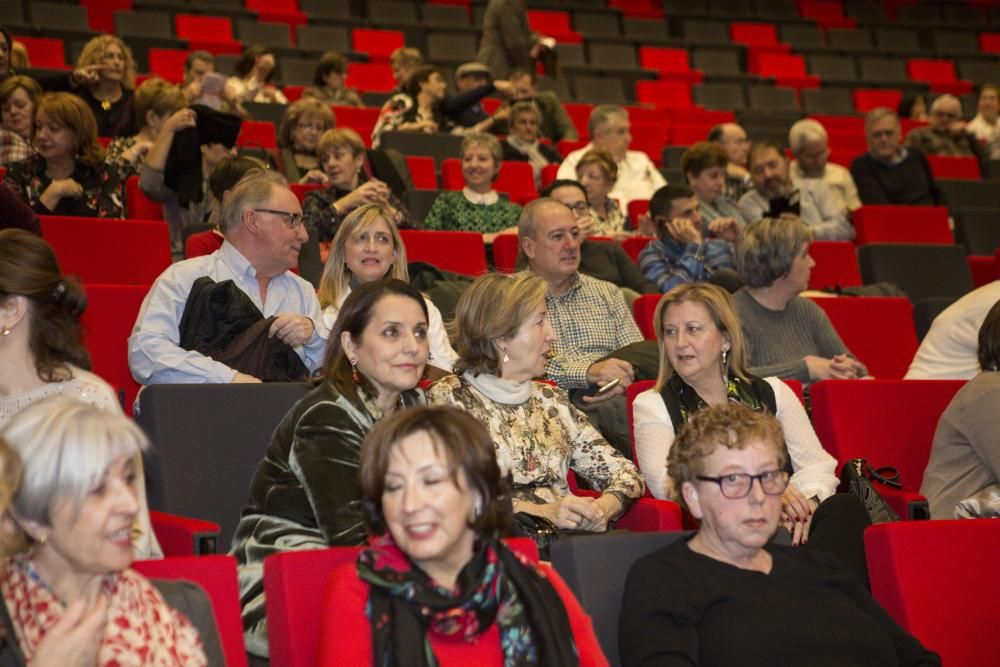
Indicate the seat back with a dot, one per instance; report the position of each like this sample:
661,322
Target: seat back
921,270
902,224
595,567
98,250
923,571
505,249
887,354
378,44
376,76
422,172
107,323
140,206
948,166
204,29
217,576
836,264
516,179
258,132
664,93
643,310
461,252
207,442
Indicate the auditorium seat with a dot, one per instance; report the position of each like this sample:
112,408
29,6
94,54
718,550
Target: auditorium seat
44,52
419,202
257,133
836,265
939,74
671,64
439,146
902,224
668,93
643,309
378,44
921,270
168,63
422,172
371,77
107,323
979,230
302,189
633,245
949,167
101,250
461,252
555,24
505,249
138,205
517,179
214,33
183,536
866,99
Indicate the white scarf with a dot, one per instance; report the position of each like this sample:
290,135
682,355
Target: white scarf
498,390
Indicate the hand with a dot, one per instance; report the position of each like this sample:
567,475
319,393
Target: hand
646,225
824,369
796,514
65,187
179,120
137,152
684,231
503,113
602,372
243,378
585,224
536,49
294,330
192,91
372,192
727,229
314,176
957,128
87,76
76,637
577,513
504,87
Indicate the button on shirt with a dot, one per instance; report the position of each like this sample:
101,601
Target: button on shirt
154,353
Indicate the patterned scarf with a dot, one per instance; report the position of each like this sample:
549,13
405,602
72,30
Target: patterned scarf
496,586
737,391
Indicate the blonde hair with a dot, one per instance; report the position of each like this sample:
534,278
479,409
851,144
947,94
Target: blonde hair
340,137
71,112
93,53
335,282
159,96
602,158
307,106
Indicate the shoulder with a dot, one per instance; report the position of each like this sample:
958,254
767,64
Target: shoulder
807,307
90,388
598,286
446,386
863,161
981,392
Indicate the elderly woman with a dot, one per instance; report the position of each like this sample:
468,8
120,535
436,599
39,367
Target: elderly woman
787,336
704,168
255,71
328,82
303,124
434,504
477,207
105,74
716,598
962,478
522,143
305,492
503,337
597,173
17,118
368,248
67,176
73,517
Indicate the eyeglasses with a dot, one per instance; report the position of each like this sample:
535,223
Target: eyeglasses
738,485
315,127
293,220
579,207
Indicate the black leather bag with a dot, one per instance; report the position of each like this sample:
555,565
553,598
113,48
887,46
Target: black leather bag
856,478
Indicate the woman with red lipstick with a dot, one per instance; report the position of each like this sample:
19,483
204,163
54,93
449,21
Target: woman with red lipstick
435,586
503,336
727,596
305,492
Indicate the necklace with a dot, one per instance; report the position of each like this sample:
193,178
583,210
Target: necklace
105,104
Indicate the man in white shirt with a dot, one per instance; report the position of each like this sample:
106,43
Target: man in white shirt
986,124
638,177
262,222
810,145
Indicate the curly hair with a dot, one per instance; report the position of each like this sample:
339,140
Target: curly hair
303,108
93,53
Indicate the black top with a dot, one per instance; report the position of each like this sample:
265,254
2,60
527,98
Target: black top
683,608
118,119
549,153
910,182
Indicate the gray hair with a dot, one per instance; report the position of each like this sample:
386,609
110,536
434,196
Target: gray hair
66,447
877,114
524,106
526,223
805,132
490,142
947,98
600,115
766,249
252,190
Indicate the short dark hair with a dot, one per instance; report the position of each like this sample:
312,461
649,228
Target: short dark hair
467,446
198,55
518,73
228,172
659,203
701,156
249,56
763,145
331,61
562,183
989,340
419,76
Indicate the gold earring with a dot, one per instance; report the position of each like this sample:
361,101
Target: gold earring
5,331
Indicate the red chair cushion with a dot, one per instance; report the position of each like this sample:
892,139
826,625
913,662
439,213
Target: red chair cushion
888,353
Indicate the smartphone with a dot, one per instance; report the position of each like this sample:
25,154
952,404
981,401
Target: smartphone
789,204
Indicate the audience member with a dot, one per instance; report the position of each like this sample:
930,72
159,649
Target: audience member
302,125
329,82
810,146
6,68
105,79
609,129
596,171
962,479
523,145
305,493
198,64
503,337
700,600
67,175
787,336
342,158
262,222
508,42
255,72
685,250
477,207
986,124
19,58
223,178
949,350
889,173
18,95
475,118
71,522
774,194
946,132
404,61
554,123
913,105
734,141
403,598
704,168
368,248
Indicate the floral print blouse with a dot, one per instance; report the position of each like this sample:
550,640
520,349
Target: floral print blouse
100,197
540,440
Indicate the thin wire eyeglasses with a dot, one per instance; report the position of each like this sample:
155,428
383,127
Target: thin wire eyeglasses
738,485
293,220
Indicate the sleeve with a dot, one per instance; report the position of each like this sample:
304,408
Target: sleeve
453,105
654,435
152,185
313,351
569,370
834,225
325,456
667,274
439,217
979,426
851,198
815,470
580,623
109,192
869,188
619,311
319,213
442,354
567,170
16,180
629,274
346,635
516,41
154,352
750,207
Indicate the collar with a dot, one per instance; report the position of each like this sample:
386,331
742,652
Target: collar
498,390
901,155
521,144
487,199
576,282
237,262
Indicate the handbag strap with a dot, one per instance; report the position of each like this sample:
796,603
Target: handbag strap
888,475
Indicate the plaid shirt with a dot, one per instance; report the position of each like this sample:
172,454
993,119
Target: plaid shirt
12,148
592,321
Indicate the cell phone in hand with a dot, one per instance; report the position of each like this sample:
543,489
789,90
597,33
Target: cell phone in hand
780,205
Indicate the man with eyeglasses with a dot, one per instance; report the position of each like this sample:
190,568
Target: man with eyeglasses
810,144
735,141
945,133
890,173
262,223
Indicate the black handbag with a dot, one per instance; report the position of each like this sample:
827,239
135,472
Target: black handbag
856,478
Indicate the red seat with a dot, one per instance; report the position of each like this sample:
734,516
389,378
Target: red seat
755,34
888,353
553,24
902,224
107,323
945,166
836,264
206,31
360,119
168,63
866,99
461,252
293,93
258,133
579,113
939,74
515,178
378,44
787,69
139,206
634,244
983,270
648,9
217,576
99,250
422,172
567,146
302,189
371,77
44,52
549,174
675,94
922,572
278,11
643,309
672,64
636,209
505,249
184,536
988,42
888,422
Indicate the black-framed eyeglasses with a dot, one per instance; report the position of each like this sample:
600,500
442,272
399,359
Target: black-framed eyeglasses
579,207
737,485
293,220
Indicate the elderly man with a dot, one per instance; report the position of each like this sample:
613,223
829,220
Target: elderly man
734,140
773,195
986,124
889,173
262,223
609,129
946,133
810,146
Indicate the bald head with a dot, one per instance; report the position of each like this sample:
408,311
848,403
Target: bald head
733,138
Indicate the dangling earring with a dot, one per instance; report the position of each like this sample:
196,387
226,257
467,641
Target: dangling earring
43,538
505,358
354,371
725,357
477,510
5,331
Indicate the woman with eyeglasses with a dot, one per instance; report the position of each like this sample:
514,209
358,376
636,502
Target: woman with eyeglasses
303,124
727,595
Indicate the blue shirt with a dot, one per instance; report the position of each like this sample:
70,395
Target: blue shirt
669,263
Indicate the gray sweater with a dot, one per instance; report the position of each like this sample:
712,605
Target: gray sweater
778,341
965,457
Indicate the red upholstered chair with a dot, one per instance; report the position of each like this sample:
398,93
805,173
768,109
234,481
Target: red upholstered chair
505,249
214,33
836,264
184,536
675,94
139,206
422,172
100,250
202,243
258,132
302,189
633,245
461,252
866,99
549,174
787,69
755,34
567,146
939,74
989,42
293,93
378,44
555,24
636,209
516,179
373,77
168,63
107,323
983,270
945,166
924,572
217,576
579,113
44,52
879,331
361,119
888,422
902,224
643,309
672,64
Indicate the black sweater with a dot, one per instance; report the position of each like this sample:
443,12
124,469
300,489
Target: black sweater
909,182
